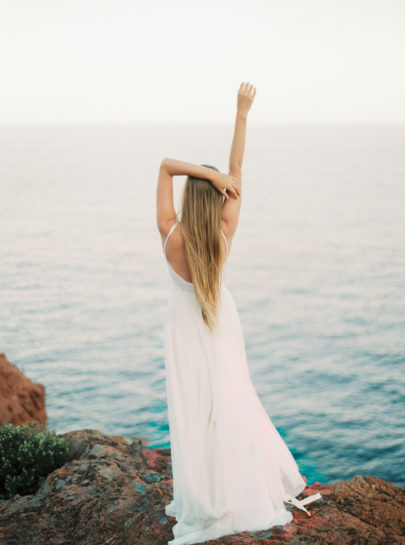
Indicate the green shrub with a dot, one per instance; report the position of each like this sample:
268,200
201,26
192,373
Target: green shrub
28,453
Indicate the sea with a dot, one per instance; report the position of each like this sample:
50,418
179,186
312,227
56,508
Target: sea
317,271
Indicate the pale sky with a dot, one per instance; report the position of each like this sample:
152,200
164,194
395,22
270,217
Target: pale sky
311,61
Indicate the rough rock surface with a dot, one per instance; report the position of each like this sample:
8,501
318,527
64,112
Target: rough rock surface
113,492
21,400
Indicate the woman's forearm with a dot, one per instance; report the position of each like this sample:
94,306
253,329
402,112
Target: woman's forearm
175,167
238,144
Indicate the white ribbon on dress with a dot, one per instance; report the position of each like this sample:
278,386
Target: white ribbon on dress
300,503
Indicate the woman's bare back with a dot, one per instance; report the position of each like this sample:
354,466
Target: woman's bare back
176,252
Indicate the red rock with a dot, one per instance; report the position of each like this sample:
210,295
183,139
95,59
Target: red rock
21,400
113,491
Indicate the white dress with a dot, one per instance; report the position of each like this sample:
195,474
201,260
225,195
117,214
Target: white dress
232,471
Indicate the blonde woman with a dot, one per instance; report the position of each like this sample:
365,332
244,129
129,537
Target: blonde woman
232,471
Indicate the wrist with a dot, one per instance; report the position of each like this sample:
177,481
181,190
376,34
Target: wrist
241,115
213,177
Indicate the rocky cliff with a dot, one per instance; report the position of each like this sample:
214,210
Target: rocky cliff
113,491
21,400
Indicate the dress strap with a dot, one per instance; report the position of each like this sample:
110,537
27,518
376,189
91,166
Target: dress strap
226,243
168,235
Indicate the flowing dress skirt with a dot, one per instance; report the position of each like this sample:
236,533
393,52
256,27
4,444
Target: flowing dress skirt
232,471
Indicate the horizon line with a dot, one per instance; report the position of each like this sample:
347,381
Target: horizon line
206,123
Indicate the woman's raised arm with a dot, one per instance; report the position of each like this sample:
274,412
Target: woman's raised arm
231,208
246,95
174,167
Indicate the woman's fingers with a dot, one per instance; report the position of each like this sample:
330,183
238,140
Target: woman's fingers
247,89
235,191
229,185
237,185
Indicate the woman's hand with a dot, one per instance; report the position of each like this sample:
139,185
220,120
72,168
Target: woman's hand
226,183
246,96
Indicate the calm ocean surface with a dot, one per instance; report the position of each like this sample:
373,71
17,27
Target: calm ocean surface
317,270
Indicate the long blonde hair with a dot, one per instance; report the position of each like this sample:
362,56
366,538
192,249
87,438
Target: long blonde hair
200,226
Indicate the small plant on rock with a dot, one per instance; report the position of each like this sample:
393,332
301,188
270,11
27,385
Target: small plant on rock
28,453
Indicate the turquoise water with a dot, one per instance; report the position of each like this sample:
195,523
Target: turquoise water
317,270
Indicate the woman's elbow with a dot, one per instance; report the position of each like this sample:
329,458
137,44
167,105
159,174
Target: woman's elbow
163,162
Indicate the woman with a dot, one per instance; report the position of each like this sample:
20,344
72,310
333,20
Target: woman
232,471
